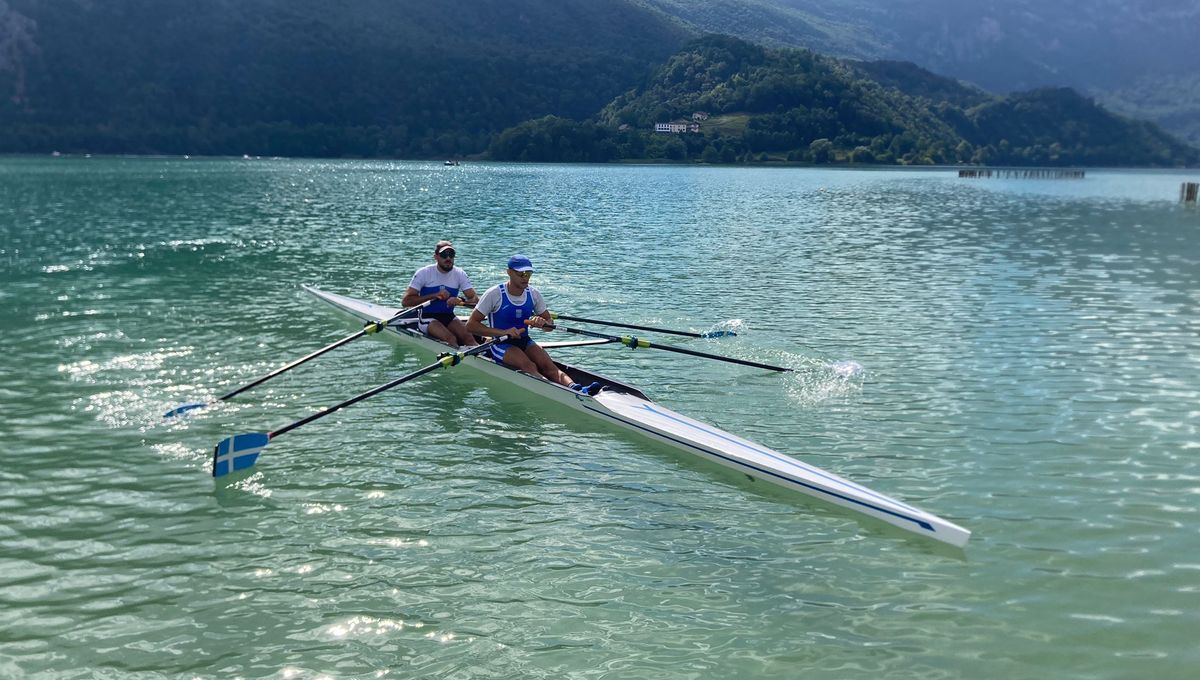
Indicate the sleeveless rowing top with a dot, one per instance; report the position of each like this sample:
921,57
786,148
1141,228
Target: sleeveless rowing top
510,315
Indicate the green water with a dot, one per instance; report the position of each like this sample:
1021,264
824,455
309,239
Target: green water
1031,355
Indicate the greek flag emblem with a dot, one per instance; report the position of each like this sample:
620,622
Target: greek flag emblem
238,452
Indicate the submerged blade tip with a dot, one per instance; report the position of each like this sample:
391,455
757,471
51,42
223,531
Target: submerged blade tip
179,410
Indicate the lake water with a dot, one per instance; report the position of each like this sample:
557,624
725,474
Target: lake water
1031,370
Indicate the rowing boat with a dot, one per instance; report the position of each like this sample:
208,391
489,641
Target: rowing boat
627,407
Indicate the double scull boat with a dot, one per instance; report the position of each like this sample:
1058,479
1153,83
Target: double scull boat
627,407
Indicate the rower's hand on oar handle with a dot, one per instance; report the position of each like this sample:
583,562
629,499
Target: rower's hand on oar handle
539,322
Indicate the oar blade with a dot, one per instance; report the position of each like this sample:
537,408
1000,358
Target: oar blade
184,408
717,334
238,452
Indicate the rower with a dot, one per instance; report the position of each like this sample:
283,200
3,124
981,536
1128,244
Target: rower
511,309
445,286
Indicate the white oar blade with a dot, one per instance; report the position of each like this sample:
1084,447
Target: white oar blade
184,409
238,452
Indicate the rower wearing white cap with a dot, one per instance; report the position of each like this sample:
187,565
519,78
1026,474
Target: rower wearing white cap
511,309
444,286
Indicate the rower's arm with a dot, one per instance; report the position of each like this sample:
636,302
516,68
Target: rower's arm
412,298
475,326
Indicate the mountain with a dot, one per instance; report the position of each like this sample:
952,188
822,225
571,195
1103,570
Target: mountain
408,78
428,79
746,102
1137,56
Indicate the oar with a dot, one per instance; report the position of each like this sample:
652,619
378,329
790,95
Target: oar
239,452
708,334
372,327
635,343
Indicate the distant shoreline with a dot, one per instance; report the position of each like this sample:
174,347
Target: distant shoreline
782,164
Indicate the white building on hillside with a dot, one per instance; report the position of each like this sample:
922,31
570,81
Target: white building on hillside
677,127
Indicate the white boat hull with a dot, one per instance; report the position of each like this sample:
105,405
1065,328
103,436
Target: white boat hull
629,408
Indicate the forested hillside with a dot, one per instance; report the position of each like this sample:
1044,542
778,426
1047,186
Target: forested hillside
797,105
1136,56
539,80
406,78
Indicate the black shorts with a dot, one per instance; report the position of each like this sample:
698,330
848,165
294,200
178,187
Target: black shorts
424,319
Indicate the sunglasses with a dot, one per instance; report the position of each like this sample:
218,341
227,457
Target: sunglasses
523,275
447,254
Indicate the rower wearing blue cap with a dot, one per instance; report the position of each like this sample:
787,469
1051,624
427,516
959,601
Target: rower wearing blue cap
511,309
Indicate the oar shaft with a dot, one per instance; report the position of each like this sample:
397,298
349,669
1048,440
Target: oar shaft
446,361
292,365
372,327
635,343
556,315
354,400
731,360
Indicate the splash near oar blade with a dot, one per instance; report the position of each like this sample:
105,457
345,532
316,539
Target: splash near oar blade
847,368
238,452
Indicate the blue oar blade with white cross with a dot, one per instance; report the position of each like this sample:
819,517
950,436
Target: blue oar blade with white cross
238,452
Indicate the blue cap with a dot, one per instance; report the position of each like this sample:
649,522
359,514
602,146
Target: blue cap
520,263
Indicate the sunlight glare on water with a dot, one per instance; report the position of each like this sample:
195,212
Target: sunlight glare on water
1020,357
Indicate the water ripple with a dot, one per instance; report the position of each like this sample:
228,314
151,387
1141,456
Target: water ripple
1019,357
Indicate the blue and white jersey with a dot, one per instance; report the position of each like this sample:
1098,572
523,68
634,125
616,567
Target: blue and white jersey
429,280
506,311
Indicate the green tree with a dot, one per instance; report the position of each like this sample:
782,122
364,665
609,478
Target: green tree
821,150
862,154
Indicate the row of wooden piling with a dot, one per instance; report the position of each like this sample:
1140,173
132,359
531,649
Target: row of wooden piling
1023,173
1189,192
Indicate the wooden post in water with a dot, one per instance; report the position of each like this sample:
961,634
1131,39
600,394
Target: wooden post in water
1189,191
